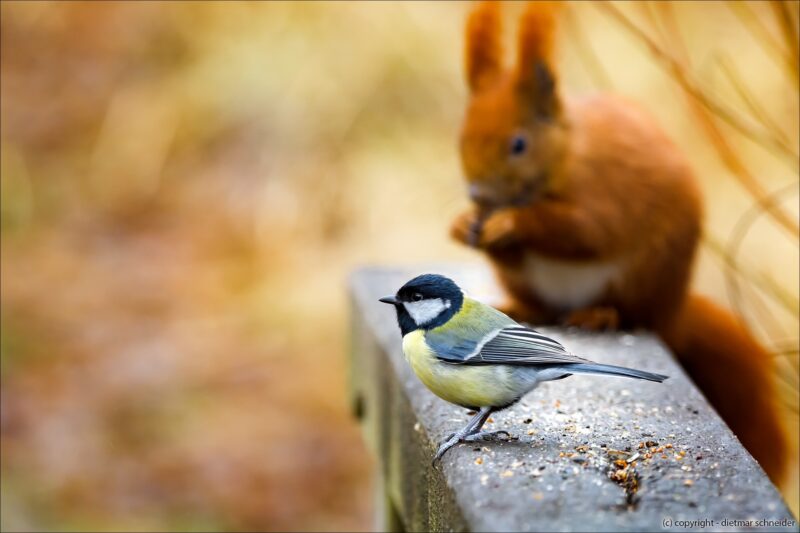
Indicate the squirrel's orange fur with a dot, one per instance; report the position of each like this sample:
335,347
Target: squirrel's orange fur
596,221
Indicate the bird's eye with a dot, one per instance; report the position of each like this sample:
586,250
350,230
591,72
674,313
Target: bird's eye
518,145
416,297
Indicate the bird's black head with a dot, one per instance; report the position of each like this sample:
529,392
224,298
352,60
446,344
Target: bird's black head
426,302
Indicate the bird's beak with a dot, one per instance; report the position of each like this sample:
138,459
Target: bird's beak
389,300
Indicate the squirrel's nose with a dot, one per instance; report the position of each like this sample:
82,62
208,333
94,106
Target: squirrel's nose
481,194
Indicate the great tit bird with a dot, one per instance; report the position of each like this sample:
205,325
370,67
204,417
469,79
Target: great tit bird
472,355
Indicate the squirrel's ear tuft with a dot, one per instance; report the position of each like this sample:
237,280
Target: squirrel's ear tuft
484,50
535,76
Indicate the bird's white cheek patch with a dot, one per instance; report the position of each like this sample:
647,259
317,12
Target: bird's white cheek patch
426,310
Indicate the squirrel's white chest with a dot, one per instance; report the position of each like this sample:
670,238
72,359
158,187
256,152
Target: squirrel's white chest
567,284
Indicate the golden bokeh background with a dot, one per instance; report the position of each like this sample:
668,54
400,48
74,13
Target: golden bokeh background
186,186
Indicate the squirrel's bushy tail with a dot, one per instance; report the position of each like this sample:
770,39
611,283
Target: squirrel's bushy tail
737,376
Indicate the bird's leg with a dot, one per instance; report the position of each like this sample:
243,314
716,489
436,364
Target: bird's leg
473,425
470,432
476,434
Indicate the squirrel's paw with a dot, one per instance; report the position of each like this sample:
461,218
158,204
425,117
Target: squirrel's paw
594,319
499,231
467,228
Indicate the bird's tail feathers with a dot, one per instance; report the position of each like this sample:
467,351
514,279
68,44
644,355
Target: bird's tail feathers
611,370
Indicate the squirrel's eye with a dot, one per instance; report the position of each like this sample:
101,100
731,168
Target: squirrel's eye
416,297
518,145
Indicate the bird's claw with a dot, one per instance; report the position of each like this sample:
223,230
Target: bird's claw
455,438
448,443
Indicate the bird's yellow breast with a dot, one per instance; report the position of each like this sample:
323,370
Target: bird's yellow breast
469,386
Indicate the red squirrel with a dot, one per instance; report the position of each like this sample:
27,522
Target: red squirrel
591,216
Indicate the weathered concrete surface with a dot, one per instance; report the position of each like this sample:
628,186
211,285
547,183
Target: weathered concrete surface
594,453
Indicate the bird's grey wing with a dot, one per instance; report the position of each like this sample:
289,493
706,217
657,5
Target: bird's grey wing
459,338
519,345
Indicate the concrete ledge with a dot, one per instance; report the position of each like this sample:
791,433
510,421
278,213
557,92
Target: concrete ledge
594,453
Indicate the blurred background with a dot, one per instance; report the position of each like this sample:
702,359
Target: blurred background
185,188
